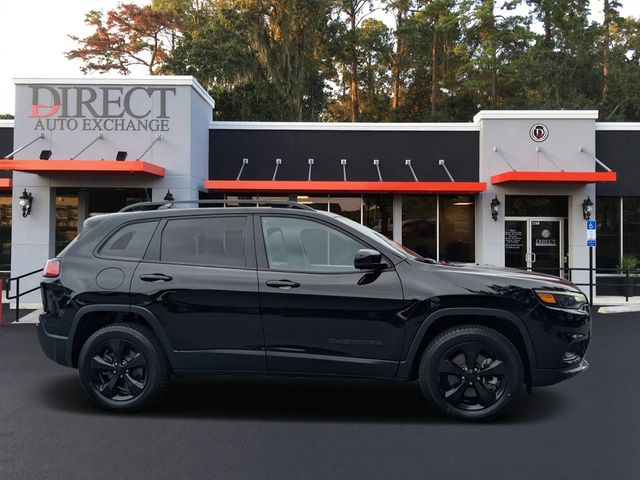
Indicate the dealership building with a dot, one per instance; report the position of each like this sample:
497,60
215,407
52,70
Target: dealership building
510,188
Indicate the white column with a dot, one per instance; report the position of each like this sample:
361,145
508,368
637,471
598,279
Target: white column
32,237
489,232
83,208
397,218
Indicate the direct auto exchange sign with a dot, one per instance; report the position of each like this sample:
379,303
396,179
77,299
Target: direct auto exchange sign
100,109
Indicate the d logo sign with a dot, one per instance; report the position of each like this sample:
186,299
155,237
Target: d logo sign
539,132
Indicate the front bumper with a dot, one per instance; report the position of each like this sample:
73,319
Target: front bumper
541,377
55,347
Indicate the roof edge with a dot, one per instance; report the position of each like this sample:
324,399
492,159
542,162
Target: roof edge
535,114
613,126
364,126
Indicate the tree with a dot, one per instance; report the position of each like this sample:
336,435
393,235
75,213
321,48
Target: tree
215,48
611,19
374,53
130,35
441,60
284,35
402,11
354,11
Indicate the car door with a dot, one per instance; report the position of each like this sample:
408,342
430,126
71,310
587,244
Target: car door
199,279
320,314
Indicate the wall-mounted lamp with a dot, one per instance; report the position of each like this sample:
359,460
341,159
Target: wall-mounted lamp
587,208
495,208
26,199
45,154
168,197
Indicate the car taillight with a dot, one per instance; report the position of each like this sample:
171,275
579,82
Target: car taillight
51,268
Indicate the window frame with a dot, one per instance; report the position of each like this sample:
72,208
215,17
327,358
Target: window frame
154,249
97,252
261,245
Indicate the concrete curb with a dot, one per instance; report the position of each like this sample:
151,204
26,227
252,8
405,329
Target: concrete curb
620,308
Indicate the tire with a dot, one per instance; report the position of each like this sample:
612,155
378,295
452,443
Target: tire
123,368
454,383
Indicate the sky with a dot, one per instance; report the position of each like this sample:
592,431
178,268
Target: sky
35,37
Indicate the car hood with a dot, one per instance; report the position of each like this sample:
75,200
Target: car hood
465,274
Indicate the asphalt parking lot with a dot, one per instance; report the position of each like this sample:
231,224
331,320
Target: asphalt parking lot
227,428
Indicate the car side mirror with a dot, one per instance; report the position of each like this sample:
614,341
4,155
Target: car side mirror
368,259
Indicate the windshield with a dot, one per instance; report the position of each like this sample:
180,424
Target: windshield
404,252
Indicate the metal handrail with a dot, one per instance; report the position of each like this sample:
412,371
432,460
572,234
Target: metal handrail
169,204
628,274
18,292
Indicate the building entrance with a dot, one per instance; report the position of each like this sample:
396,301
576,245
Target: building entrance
537,244
536,232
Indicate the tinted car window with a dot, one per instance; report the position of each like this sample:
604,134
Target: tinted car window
303,245
209,241
130,241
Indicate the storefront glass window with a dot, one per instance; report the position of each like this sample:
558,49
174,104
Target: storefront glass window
103,200
419,224
5,232
631,226
66,220
608,217
349,207
377,213
319,203
457,235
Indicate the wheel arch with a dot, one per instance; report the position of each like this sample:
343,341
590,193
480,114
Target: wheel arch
502,321
90,318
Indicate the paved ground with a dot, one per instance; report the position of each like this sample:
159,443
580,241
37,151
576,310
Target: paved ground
588,428
9,316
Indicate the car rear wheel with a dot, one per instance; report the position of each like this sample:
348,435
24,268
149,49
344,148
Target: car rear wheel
471,372
123,368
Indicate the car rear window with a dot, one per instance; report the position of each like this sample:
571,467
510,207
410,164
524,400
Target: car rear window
129,242
207,241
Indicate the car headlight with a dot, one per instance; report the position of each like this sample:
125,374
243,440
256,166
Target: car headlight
564,299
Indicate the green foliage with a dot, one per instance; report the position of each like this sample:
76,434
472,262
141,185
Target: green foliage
336,60
629,262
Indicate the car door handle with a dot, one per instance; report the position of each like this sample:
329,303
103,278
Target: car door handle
282,284
155,277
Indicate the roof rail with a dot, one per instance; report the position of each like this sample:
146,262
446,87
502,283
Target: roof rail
166,205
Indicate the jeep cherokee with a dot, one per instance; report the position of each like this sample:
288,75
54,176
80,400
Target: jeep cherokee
282,289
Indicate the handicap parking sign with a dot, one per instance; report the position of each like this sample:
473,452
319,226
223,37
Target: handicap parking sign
591,233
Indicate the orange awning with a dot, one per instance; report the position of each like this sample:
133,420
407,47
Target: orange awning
553,177
46,167
315,186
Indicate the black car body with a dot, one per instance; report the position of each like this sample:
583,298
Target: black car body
267,290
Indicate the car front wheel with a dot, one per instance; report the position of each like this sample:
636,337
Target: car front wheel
471,372
123,368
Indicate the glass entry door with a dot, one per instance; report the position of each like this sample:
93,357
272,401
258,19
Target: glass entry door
535,243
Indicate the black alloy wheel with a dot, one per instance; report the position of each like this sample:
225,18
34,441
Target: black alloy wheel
471,372
118,370
471,376
123,367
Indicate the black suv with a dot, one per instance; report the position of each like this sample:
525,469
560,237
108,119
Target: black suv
283,289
